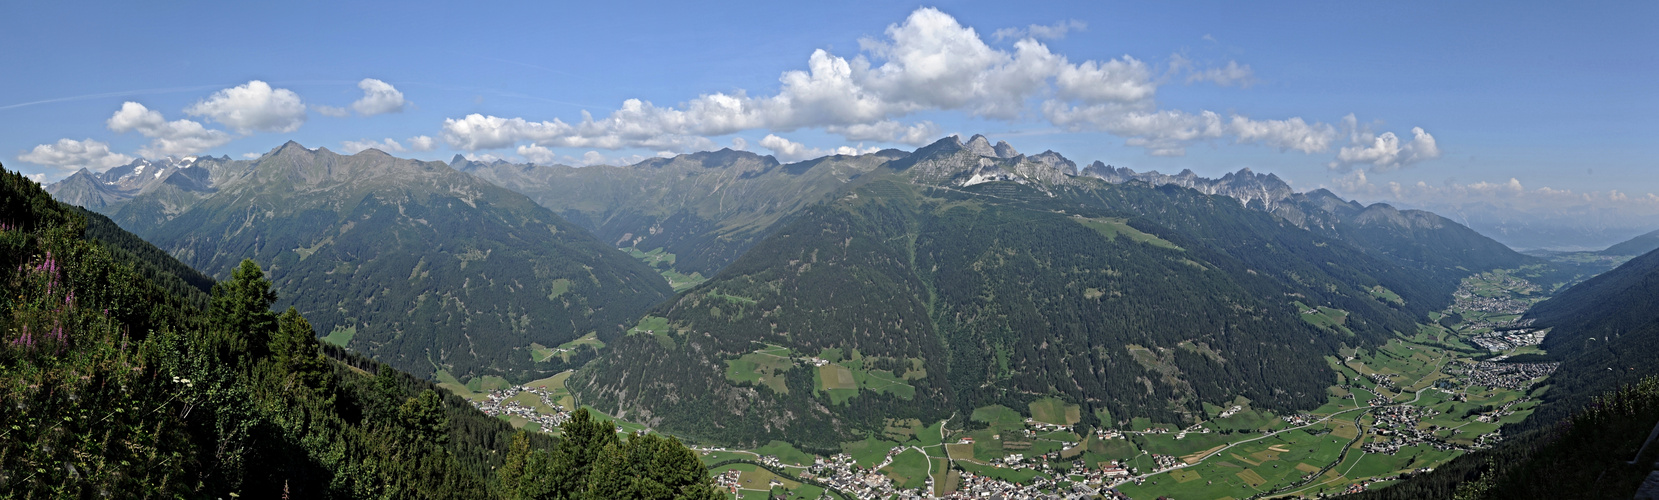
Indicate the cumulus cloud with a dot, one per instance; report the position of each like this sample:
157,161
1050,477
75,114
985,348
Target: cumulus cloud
1231,74
385,146
917,134
537,154
167,138
251,156
253,106
928,63
740,144
422,143
39,178
1054,31
70,154
1383,152
791,151
378,98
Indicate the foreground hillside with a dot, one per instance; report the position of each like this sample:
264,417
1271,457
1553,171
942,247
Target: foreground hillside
410,262
120,383
958,277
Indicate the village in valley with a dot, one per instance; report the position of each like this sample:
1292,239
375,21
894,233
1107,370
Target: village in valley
1396,410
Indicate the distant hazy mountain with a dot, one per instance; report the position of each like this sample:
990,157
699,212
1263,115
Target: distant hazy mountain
107,191
1634,246
965,274
1412,238
707,208
427,266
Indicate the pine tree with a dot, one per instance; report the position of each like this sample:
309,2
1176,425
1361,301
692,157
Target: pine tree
241,312
423,416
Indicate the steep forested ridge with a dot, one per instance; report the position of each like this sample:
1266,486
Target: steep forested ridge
431,268
1646,242
1605,332
1600,405
952,279
121,385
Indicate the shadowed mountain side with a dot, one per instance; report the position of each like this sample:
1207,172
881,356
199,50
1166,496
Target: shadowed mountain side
431,268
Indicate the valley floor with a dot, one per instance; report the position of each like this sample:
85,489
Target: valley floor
1406,407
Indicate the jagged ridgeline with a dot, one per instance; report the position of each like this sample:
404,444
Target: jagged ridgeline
966,274
703,208
411,262
125,380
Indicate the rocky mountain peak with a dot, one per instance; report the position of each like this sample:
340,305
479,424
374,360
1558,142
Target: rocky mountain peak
1006,151
981,146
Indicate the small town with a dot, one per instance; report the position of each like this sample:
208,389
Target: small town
1500,340
1512,376
498,403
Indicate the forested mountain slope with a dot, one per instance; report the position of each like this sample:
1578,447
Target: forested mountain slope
1647,242
1602,401
429,267
706,208
954,278
1605,332
120,385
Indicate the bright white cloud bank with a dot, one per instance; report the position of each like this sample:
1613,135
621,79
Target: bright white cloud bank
70,154
253,106
378,98
789,151
930,63
178,137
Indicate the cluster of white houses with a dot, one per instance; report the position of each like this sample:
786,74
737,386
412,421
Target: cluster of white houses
499,403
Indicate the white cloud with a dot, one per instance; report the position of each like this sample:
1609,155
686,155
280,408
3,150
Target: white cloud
70,154
591,158
930,63
378,98
385,146
791,151
253,106
252,156
1383,152
1509,197
537,154
422,143
477,131
740,144
1231,74
167,138
1054,31
39,178
917,134
332,111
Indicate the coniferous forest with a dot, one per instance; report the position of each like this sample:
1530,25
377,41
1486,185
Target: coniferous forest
124,379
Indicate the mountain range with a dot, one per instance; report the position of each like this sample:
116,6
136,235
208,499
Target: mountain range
840,291
411,262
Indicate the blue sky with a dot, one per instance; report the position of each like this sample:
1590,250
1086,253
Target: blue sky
1520,105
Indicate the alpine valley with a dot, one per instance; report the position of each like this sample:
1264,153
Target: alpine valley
959,319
